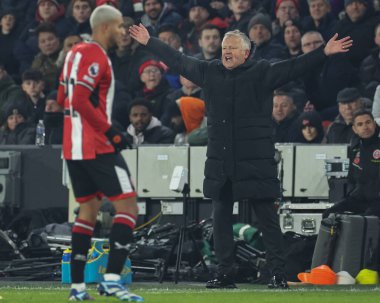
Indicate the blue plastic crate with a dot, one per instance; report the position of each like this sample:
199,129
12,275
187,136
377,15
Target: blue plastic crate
96,265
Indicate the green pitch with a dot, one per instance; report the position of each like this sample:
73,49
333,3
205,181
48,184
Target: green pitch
194,293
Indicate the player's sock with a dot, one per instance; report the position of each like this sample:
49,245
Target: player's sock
80,242
121,235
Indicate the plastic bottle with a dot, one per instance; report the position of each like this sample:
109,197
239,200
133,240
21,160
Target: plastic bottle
40,133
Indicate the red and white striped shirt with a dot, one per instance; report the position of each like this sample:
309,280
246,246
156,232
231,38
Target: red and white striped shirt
87,71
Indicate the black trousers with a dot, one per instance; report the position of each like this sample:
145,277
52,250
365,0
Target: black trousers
223,234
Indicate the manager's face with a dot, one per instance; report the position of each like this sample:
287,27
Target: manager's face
233,52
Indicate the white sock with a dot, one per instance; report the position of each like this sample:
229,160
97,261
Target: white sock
78,286
111,277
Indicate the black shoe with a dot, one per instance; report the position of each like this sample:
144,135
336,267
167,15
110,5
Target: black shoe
222,281
278,281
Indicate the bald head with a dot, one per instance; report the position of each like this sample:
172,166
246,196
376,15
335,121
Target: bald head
104,14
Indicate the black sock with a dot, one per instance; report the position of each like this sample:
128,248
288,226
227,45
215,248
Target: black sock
80,243
121,235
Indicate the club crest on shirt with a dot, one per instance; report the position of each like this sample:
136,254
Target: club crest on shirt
93,70
376,154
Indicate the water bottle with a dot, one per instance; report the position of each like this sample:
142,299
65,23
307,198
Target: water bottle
40,133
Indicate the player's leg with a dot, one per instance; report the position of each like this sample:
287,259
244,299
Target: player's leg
116,184
86,194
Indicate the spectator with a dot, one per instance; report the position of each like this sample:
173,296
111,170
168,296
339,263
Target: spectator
187,115
284,116
260,32
359,23
323,84
9,90
80,12
53,120
321,19
50,11
15,130
156,88
200,13
8,36
127,59
210,42
188,89
144,127
292,38
242,12
31,85
340,131
68,43
24,9
363,173
158,13
169,35
46,60
370,68
284,10
308,128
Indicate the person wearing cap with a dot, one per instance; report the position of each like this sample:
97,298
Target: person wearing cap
363,195
240,152
156,88
340,131
15,129
144,127
32,85
158,13
51,11
8,37
284,116
321,19
200,13
359,23
284,10
308,128
260,32
242,12
323,83
114,3
45,61
292,38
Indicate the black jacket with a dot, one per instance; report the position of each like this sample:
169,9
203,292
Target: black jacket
364,170
283,131
239,110
339,132
156,135
24,134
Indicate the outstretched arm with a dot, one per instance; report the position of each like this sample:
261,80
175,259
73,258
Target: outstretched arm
189,67
288,70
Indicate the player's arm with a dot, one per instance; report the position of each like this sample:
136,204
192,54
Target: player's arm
82,104
61,95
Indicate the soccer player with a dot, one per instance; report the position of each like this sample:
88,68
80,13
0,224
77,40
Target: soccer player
91,148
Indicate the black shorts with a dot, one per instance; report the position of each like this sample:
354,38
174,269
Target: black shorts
107,175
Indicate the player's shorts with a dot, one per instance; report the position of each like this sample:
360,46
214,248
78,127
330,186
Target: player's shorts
107,175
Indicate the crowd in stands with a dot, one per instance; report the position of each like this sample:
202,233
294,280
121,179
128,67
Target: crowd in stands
152,105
